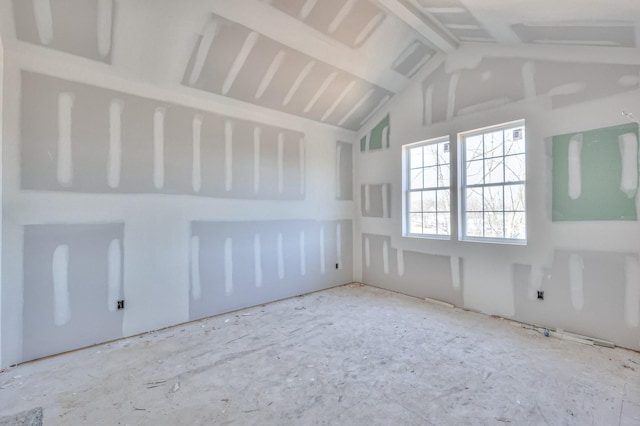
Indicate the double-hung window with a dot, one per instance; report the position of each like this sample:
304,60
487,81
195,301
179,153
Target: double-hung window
493,183
429,189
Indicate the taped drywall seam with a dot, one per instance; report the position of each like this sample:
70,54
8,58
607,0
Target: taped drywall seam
342,14
575,167
271,72
307,7
280,253
385,257
114,158
238,63
64,171
428,106
228,266
322,262
203,51
105,23
576,281
455,272
303,256
384,139
374,110
325,84
44,20
114,274
357,106
298,81
528,79
632,291
228,155
451,97
196,288
302,166
385,200
257,260
196,167
61,297
367,29
417,66
367,252
628,144
367,198
280,162
338,171
158,147
339,245
400,262
338,100
256,159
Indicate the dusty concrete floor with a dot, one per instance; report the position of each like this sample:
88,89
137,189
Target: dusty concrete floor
346,356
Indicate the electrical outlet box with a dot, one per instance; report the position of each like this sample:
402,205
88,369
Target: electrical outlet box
541,295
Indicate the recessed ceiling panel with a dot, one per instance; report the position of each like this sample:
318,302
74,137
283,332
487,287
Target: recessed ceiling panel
231,60
412,58
604,34
350,22
79,27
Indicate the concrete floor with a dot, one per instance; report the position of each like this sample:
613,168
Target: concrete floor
346,356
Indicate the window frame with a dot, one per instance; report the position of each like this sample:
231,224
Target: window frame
463,186
408,190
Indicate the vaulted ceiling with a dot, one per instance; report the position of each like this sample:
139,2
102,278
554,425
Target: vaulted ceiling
333,61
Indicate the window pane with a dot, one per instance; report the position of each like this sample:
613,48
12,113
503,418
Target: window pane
431,155
474,173
514,197
494,170
415,157
431,177
444,200
443,153
444,224
415,226
473,146
493,144
493,201
516,225
474,199
494,225
474,225
416,179
444,176
415,202
429,223
514,168
429,201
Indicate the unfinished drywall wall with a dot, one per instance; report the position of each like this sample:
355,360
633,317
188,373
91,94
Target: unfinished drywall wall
109,183
344,171
587,267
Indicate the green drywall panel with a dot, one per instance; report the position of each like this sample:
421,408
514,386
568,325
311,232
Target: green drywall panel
363,144
377,133
601,169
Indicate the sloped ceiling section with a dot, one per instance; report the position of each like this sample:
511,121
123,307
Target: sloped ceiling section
606,33
235,61
79,27
350,22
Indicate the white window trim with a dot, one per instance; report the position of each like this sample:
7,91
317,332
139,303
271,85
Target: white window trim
462,186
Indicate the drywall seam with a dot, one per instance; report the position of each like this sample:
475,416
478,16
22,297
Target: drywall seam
298,81
65,154
428,106
158,147
114,159
575,167
280,162
44,20
528,79
271,72
367,29
341,15
307,7
302,165
196,286
196,166
339,245
375,110
628,144
238,63
61,297
356,107
455,272
114,271
400,262
323,87
576,281
451,97
338,171
338,100
203,51
632,291
385,201
385,256
367,252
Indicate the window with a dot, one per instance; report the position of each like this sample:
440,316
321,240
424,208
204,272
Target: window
493,183
428,194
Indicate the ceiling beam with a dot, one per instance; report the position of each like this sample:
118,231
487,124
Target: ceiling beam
420,22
